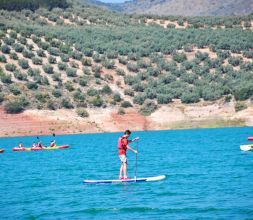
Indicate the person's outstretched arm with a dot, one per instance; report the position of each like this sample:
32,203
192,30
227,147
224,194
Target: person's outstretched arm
129,148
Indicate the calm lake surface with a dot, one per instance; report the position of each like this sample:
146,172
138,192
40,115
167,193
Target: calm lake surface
208,177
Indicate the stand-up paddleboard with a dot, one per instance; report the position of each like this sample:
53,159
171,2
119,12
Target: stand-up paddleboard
133,180
246,147
250,138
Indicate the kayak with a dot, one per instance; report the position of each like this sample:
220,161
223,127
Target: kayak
250,138
133,180
246,147
1,150
38,148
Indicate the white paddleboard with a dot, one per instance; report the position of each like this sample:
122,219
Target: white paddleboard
133,180
246,147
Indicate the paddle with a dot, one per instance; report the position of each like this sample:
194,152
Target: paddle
136,160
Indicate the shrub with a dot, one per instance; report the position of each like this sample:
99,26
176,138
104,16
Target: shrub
48,69
117,97
53,51
1,97
179,57
97,101
83,82
121,111
42,97
190,97
57,93
28,54
18,48
64,58
129,92
201,56
56,77
32,85
13,35
66,103
51,105
148,107
14,107
5,78
14,56
33,72
123,60
106,90
69,86
62,66
3,59
71,72
14,90
52,60
96,69
22,40
228,98
10,67
79,96
86,71
82,112
164,98
76,55
139,99
108,64
120,72
44,45
126,104
132,67
97,58
235,61
23,64
41,53
5,49
37,61
243,93
92,92
239,106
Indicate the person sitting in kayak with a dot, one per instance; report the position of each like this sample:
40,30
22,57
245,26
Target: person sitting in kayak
40,145
52,143
20,145
122,148
34,145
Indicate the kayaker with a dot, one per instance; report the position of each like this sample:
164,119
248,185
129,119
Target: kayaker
53,143
122,148
20,145
39,144
34,145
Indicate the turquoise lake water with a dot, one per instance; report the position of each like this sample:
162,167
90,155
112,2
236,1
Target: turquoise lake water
208,177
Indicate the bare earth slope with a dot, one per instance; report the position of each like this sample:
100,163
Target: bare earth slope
45,122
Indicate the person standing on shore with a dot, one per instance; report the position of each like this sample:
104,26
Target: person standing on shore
122,148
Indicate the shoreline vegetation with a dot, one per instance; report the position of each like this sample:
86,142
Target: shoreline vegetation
72,68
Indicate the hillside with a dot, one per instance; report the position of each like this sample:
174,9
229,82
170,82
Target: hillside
85,69
182,7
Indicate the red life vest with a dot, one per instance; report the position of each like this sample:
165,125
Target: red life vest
122,145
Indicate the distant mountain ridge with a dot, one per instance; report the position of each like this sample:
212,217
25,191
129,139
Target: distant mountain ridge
180,7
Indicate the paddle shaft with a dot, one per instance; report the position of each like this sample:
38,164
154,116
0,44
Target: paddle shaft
136,161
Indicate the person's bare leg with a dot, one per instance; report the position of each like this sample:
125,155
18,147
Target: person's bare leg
125,169
121,170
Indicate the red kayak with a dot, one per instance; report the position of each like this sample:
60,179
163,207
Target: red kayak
250,138
39,148
1,150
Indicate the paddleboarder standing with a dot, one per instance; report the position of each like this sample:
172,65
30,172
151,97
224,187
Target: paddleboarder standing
122,148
